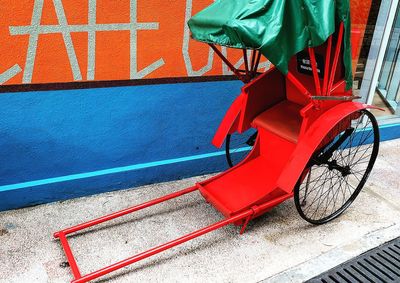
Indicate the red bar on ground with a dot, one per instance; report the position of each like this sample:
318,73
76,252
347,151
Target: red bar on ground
124,212
116,266
70,256
163,247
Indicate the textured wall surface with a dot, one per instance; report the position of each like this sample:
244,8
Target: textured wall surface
96,132
44,41
58,144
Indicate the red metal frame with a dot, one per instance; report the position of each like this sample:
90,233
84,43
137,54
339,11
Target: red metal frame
315,71
303,90
328,87
265,101
327,63
78,278
336,58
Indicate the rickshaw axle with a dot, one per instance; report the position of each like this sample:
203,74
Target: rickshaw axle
325,156
345,170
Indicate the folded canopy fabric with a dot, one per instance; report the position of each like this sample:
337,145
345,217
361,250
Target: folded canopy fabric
278,28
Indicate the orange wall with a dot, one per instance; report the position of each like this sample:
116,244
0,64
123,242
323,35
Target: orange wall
359,15
160,40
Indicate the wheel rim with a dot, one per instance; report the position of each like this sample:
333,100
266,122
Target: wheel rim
339,169
238,146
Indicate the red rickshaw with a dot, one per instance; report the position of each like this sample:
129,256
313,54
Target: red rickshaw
303,134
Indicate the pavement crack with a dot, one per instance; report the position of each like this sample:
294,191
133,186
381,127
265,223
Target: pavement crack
380,229
369,191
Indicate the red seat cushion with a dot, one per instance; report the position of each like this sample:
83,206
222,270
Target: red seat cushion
283,119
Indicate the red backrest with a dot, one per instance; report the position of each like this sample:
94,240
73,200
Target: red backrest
262,93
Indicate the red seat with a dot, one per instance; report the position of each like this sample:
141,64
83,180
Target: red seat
283,119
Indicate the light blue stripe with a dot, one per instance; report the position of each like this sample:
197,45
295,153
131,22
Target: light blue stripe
111,171
237,150
389,125
107,171
123,169
380,127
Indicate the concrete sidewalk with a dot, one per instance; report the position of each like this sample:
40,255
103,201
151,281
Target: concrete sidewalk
278,247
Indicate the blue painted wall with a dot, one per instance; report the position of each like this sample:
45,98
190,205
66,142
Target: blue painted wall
57,145
48,136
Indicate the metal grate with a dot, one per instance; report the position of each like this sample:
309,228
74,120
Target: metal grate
381,264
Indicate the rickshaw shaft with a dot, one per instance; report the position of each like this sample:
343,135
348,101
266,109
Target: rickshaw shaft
162,247
124,212
246,215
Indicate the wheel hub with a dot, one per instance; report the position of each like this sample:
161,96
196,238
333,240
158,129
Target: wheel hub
345,170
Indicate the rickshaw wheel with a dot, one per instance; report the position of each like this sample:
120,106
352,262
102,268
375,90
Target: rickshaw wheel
338,170
238,146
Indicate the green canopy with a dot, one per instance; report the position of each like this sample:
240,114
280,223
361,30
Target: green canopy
278,28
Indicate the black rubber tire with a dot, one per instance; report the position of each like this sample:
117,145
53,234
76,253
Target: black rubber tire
300,198
242,155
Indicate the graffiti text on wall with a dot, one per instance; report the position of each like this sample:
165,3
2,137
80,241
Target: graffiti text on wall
84,40
47,41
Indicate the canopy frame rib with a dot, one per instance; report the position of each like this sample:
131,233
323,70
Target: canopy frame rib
246,62
250,71
255,66
336,58
235,71
327,65
315,71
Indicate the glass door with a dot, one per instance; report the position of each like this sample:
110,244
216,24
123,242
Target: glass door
389,80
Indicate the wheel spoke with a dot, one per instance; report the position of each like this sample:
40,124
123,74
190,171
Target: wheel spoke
340,168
